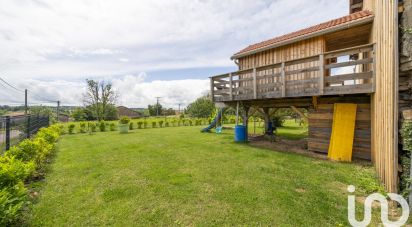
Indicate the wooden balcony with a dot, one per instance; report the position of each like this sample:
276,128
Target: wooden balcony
345,71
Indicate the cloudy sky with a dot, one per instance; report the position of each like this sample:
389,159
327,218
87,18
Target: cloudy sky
165,48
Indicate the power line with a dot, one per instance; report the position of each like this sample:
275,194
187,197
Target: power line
4,81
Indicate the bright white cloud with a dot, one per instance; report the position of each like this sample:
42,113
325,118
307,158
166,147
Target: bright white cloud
58,42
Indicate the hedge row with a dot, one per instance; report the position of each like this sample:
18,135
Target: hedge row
20,165
405,158
103,126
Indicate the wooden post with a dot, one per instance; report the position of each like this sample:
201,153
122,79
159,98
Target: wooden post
321,73
7,133
246,118
212,88
230,86
283,79
266,117
254,84
373,67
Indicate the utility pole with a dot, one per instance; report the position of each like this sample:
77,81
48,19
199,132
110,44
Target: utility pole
179,108
157,105
58,110
25,102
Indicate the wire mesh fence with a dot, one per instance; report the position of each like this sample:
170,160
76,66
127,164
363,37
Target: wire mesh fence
14,129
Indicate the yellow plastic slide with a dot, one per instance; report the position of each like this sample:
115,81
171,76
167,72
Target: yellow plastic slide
343,132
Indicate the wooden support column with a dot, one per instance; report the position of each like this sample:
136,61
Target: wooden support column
230,86
283,80
321,73
266,117
254,84
245,115
212,88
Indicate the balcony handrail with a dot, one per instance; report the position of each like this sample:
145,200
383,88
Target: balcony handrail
264,67
276,85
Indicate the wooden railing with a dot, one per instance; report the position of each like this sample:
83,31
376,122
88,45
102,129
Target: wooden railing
345,71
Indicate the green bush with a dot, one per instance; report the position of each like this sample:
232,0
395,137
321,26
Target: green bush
12,201
160,124
124,120
71,128
139,124
102,126
167,124
92,127
18,165
406,132
145,124
154,124
13,171
82,127
112,127
131,126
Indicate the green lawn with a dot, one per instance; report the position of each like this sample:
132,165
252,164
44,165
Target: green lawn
179,176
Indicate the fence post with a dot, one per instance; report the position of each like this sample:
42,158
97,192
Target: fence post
28,127
7,133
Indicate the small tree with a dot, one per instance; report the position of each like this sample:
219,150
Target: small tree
202,107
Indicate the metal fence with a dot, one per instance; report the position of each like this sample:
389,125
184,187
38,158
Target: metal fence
14,129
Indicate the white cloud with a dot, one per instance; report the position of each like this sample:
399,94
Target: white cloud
53,43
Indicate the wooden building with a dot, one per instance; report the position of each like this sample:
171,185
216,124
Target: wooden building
352,59
127,112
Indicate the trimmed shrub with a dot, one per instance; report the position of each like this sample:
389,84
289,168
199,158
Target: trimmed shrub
92,127
139,124
102,126
124,120
131,126
112,127
167,124
82,127
71,128
160,124
154,124
12,201
145,124
20,164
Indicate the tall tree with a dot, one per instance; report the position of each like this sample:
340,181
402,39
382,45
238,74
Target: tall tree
100,96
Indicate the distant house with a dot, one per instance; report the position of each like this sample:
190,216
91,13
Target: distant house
64,117
124,111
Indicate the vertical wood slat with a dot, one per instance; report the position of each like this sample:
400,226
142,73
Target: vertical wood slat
321,73
230,86
254,84
212,88
283,79
374,68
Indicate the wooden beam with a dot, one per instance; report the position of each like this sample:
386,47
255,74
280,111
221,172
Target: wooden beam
230,86
321,73
283,79
303,116
254,84
212,88
315,102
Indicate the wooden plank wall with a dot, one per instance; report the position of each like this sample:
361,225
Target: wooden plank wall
320,125
306,48
383,101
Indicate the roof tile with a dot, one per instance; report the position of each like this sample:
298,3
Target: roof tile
329,24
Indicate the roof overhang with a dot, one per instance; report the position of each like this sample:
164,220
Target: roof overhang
348,25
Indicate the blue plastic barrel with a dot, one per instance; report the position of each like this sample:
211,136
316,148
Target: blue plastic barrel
240,133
